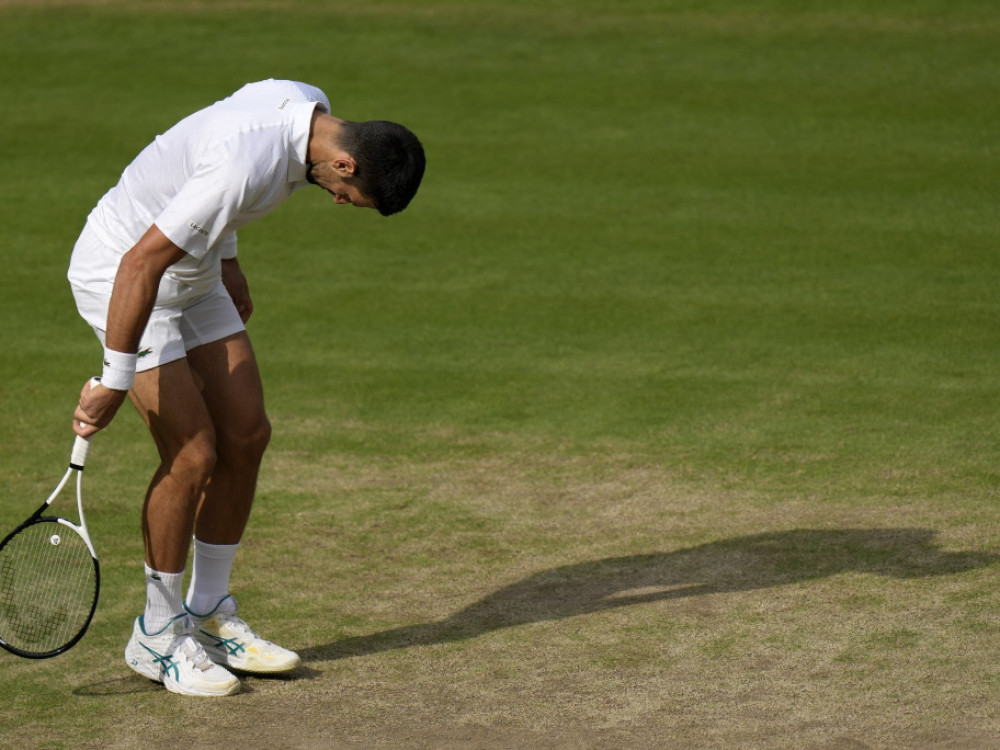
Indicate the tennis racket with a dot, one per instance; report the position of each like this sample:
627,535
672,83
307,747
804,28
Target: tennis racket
49,576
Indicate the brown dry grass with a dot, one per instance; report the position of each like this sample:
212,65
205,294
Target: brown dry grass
599,603
532,597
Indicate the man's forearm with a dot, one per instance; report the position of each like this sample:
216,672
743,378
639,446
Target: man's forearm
132,301
136,286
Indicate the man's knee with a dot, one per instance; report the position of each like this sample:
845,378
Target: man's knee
247,445
193,464
259,439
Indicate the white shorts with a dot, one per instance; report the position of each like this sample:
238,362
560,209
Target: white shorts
172,330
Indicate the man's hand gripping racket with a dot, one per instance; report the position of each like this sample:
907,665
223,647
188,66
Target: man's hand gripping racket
96,408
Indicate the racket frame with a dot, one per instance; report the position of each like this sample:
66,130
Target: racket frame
78,459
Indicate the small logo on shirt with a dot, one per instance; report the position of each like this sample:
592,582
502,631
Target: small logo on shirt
284,103
145,352
199,230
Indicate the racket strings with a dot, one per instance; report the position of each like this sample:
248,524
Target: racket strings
48,587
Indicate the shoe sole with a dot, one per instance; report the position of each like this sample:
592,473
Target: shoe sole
175,688
250,665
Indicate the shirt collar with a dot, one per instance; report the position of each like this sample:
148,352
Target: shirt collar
301,128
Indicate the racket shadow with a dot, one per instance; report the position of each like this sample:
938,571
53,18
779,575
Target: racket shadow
129,685
745,563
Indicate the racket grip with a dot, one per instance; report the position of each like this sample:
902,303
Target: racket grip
81,448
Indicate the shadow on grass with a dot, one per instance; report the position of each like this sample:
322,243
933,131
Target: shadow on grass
745,563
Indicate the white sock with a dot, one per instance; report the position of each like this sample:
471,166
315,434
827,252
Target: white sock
163,599
213,563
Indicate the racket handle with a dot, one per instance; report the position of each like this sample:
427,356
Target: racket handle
81,448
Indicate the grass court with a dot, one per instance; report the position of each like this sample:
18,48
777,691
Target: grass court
665,417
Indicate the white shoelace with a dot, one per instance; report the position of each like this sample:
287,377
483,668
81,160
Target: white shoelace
192,651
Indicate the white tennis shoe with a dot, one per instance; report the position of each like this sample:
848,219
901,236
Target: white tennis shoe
175,658
229,641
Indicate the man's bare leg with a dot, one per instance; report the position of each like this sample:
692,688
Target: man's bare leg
234,397
170,402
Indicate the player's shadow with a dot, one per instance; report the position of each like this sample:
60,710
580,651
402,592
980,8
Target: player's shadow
745,563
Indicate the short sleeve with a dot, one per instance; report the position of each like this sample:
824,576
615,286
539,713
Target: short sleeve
199,214
227,246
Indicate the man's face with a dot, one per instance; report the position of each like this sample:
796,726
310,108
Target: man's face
344,193
329,177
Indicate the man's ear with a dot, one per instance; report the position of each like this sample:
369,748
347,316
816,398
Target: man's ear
344,165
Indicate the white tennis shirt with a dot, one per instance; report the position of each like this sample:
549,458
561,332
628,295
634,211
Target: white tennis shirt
213,172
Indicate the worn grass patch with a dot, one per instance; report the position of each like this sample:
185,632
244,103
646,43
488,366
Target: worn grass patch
538,593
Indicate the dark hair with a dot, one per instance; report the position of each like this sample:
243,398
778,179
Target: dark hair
390,162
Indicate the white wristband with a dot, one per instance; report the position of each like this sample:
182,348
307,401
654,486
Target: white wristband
119,370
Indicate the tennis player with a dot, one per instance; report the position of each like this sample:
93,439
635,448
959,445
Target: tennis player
155,273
